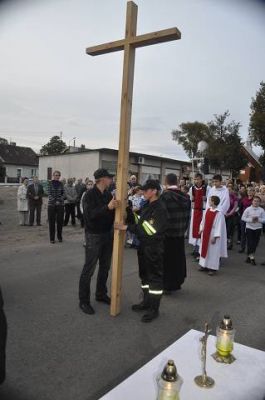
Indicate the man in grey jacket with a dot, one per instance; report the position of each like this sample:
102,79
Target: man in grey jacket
70,202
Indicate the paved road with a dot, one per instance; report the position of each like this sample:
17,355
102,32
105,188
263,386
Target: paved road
55,352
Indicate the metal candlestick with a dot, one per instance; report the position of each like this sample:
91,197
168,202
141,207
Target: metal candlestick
204,380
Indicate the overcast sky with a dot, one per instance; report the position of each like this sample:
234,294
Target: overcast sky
48,83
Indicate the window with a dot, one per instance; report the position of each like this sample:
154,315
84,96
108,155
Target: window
19,173
49,173
111,166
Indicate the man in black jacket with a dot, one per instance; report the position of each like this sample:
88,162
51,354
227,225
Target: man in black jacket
99,208
35,194
3,334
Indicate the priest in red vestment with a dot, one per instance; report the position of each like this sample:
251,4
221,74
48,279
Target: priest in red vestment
198,195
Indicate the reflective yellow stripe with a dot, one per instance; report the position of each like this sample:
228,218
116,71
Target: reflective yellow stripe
152,229
145,286
158,292
147,230
136,218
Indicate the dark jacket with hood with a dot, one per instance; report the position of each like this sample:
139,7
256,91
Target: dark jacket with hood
178,207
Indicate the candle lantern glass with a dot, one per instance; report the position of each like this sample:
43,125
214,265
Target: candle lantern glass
225,335
169,383
225,341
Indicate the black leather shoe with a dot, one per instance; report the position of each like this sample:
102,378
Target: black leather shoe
140,307
152,314
87,308
52,241
253,262
60,240
103,299
248,260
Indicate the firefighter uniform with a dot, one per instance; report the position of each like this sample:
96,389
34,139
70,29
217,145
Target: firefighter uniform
150,227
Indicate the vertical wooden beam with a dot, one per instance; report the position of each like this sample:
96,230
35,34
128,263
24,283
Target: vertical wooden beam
123,158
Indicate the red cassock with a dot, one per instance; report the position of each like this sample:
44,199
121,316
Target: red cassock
198,196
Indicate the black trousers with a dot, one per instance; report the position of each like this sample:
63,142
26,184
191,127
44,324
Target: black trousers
243,235
69,210
98,248
230,228
175,270
238,227
150,260
253,237
34,207
3,335
78,210
55,217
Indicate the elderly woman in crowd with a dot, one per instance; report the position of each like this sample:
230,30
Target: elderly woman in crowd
22,203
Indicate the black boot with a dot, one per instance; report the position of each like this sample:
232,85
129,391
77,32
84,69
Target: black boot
153,312
144,305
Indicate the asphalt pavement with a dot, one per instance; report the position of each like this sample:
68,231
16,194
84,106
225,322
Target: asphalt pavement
55,352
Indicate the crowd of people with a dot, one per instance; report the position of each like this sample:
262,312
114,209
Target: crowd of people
213,216
64,202
158,220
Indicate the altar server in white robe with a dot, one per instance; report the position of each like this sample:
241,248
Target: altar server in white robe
213,243
222,192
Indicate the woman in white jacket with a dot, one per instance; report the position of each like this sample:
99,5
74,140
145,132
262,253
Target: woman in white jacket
22,203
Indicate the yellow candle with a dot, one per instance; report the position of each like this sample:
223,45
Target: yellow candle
224,344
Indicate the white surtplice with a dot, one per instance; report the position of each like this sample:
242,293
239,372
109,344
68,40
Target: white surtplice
223,195
219,249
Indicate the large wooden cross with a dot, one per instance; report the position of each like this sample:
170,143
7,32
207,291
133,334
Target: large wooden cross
128,44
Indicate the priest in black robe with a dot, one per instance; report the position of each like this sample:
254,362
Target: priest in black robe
178,206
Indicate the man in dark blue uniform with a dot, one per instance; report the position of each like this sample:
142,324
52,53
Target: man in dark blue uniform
150,227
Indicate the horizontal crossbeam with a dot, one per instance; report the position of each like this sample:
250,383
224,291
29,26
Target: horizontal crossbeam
106,48
148,39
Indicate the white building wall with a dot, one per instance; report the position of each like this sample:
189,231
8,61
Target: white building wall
78,165
26,171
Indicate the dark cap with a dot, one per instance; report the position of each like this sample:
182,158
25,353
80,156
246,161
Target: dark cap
102,173
151,184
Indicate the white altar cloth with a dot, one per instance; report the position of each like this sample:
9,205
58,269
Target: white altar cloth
242,380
